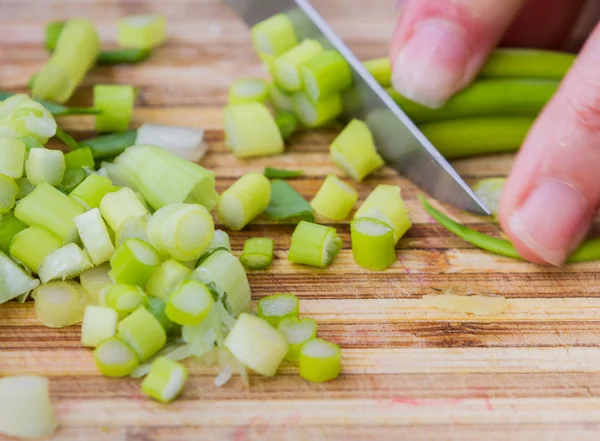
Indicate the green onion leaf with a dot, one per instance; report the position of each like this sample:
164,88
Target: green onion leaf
277,173
109,146
286,205
123,56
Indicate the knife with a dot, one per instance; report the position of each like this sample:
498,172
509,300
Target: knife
401,144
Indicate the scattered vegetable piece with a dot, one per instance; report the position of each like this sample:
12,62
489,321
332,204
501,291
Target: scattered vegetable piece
296,333
489,191
286,67
185,142
116,207
276,173
134,262
67,139
95,282
315,245
287,205
280,99
189,303
26,117
326,74
317,114
111,145
54,108
12,157
257,253
320,360
82,157
247,198
133,227
45,165
99,324
14,281
287,122
381,69
92,190
142,31
470,304
277,307
31,246
168,275
53,30
157,308
60,304
335,199
25,188
386,204
165,380
274,36
116,103
123,56
373,244
10,226
8,194
220,241
114,358
71,179
125,298
250,131
64,263
142,332
248,90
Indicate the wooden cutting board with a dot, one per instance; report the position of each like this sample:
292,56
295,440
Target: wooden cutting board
409,371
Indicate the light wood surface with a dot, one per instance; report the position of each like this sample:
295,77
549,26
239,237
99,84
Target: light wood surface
409,371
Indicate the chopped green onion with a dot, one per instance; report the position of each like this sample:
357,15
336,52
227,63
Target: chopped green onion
31,81
95,236
82,157
315,245
53,30
8,194
75,53
527,63
250,130
287,122
109,146
335,199
118,206
92,190
95,281
54,108
257,344
354,151
142,31
12,157
60,304
71,179
114,358
277,307
143,332
180,180
287,205
168,275
64,263
274,36
116,103
381,69
31,246
123,56
326,74
244,200
386,204
280,99
14,281
319,113
25,407
133,227
296,333
45,165
67,139
25,187
28,118
248,90
219,241
489,191
276,173
258,253
202,338
189,303
185,142
99,324
125,298
10,226
30,143
157,308
319,360
165,380
223,273
286,67
373,245
134,262
181,231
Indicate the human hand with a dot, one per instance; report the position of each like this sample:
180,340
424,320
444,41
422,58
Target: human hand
553,192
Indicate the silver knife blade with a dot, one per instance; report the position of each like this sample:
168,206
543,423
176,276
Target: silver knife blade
402,145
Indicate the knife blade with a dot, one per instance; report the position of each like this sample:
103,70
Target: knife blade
401,144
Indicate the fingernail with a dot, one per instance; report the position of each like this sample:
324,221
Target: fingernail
552,218
432,64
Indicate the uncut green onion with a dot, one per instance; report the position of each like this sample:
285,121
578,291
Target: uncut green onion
116,103
386,204
280,99
142,31
60,304
10,226
92,190
248,90
476,136
125,298
287,122
120,205
274,35
495,97
276,173
75,53
25,188
319,361
250,131
317,114
95,282
296,333
286,67
527,63
157,308
185,142
114,358
181,231
99,324
223,273
45,165
335,199
277,307
189,303
109,146
71,179
489,191
67,139
14,280
257,253
133,227
8,194
326,74
142,332
53,30
219,241
287,205
66,262
373,245
166,277
354,151
315,245
31,246
381,69
81,157
25,407
246,198
12,157
180,180
134,262
165,380
123,56
257,344
94,236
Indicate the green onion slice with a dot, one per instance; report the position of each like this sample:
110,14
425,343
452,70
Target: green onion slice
277,307
296,333
257,253
315,245
287,205
319,360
